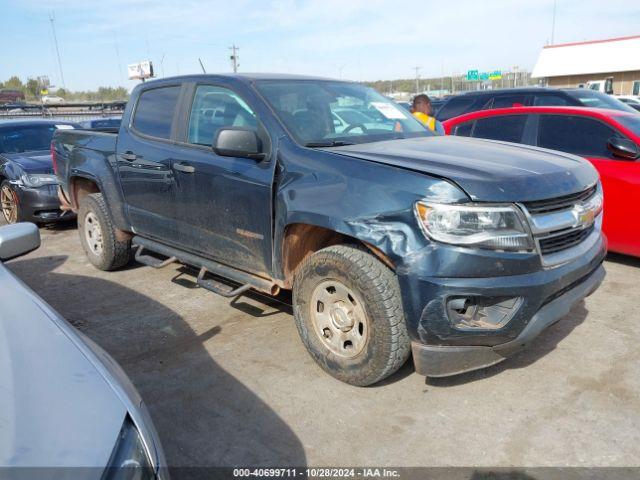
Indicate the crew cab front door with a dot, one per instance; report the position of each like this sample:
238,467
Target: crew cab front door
224,204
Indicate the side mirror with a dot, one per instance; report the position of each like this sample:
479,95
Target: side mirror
623,148
238,142
18,239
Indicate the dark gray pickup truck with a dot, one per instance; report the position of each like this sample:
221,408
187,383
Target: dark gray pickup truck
392,239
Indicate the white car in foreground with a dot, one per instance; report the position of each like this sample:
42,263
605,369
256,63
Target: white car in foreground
67,410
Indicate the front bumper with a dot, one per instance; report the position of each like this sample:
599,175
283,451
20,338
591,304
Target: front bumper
41,205
547,294
443,361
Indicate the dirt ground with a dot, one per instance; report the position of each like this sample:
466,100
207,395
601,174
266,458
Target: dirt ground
228,382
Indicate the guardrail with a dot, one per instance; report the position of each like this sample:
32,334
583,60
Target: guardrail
67,111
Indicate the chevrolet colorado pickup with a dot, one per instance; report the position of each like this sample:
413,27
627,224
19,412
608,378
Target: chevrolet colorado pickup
393,240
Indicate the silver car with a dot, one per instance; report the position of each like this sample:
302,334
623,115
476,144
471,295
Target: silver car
65,404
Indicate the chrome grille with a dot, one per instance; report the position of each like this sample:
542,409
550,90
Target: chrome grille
564,240
539,207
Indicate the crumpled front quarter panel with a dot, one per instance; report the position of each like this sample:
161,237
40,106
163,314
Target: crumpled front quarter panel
365,200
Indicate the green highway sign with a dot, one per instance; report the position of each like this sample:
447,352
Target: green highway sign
475,75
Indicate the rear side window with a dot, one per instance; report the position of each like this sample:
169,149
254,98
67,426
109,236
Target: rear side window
572,134
550,101
507,128
455,107
154,112
508,101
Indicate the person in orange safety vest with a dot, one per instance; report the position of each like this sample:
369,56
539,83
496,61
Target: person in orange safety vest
421,109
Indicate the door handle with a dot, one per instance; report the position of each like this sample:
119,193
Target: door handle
181,167
129,156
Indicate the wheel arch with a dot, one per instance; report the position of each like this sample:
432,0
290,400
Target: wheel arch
300,240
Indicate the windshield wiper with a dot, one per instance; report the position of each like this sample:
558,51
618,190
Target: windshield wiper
335,143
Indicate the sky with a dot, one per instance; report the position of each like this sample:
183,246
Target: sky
350,39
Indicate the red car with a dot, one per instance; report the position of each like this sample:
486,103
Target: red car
610,139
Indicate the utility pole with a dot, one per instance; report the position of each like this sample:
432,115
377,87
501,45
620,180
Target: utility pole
417,69
52,19
553,21
234,57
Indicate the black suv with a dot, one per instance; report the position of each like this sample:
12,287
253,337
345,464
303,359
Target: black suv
531,96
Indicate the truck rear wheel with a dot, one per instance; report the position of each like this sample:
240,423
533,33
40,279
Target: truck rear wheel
98,235
349,315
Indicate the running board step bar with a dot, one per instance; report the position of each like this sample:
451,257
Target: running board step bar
218,287
245,279
151,261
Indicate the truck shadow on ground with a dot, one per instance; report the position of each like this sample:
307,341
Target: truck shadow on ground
541,346
205,417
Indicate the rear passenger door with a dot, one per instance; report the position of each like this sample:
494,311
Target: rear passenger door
224,204
144,159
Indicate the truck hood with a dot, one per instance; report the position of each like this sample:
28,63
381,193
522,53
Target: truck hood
32,162
56,408
486,170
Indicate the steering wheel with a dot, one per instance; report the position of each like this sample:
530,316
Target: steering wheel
355,125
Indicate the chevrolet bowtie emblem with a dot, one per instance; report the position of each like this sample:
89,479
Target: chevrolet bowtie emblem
584,215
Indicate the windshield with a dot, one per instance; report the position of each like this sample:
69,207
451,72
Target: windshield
325,113
590,98
632,122
27,138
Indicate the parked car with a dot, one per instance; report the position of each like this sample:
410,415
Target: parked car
52,100
390,239
347,119
633,102
28,186
610,139
8,96
64,402
531,96
102,123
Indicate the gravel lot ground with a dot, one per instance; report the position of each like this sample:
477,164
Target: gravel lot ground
229,383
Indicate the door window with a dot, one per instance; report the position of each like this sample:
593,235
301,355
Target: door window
550,101
507,128
154,112
573,134
455,107
215,108
636,87
508,101
464,129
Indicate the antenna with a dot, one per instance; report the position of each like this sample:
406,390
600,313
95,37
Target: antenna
52,19
201,66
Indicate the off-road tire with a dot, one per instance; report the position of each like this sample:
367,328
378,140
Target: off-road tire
388,345
115,253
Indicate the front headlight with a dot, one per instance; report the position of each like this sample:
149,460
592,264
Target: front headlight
500,227
129,460
35,180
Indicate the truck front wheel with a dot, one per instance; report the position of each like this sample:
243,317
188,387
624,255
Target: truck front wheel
348,311
98,235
